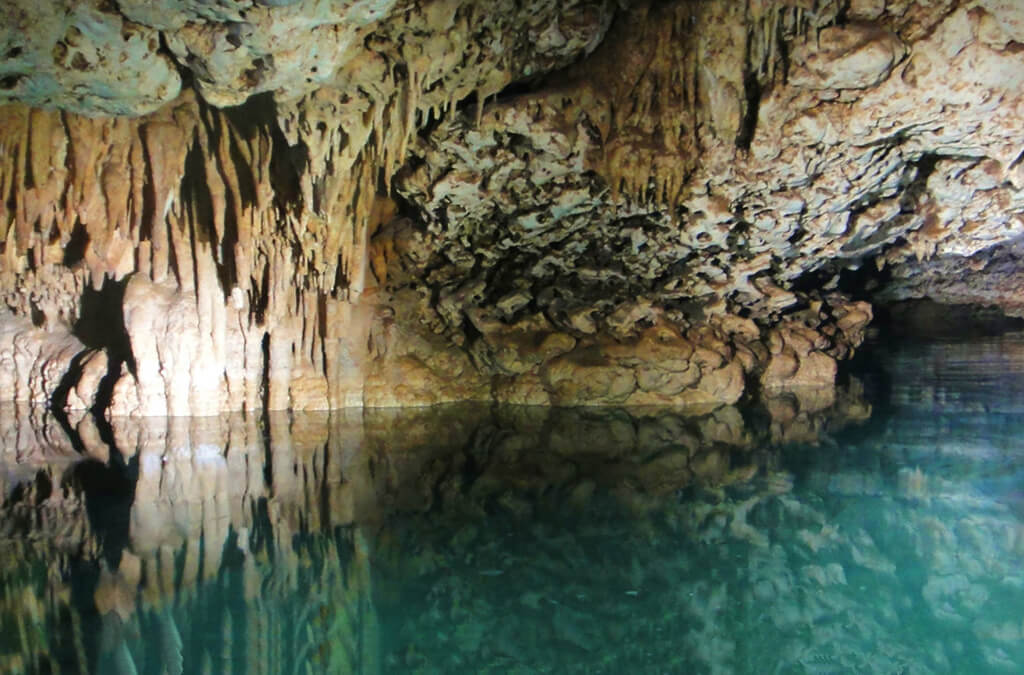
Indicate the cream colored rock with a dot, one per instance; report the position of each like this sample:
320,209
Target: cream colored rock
355,237
855,56
180,353
35,364
82,57
1001,23
866,10
94,367
790,371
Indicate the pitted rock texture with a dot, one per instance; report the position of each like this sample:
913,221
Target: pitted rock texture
915,152
558,203
124,57
83,57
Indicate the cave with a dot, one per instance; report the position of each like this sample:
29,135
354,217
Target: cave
522,336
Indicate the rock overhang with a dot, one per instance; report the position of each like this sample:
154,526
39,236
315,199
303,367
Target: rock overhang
455,192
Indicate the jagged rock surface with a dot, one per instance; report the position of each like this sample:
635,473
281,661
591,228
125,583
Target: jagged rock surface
988,278
919,158
656,211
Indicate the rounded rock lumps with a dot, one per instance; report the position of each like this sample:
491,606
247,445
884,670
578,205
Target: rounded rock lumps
84,58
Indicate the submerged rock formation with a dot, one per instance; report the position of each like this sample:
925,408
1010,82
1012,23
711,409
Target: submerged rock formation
254,206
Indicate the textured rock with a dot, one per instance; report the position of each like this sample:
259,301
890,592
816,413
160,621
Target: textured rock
828,177
989,278
84,57
36,366
857,56
123,57
558,203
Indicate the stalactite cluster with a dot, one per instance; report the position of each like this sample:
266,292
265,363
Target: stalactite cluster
453,204
239,237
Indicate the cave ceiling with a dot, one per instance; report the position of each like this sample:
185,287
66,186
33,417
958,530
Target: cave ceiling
582,169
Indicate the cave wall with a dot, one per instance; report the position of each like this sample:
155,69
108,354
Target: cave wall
237,238
308,205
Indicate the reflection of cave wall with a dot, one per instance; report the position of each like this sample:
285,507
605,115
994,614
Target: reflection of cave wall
861,568
265,532
350,541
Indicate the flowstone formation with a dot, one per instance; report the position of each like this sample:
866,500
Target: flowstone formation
246,205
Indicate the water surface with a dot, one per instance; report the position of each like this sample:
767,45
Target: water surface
879,531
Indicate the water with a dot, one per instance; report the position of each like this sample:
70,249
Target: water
880,532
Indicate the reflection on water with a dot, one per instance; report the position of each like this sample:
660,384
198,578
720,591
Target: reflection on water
794,538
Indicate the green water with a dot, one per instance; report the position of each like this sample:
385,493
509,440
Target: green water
880,534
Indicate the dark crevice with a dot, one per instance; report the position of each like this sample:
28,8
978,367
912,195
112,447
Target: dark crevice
752,103
100,327
915,180
511,92
11,81
184,72
321,311
265,375
262,303
256,116
59,397
101,322
1016,161
74,250
926,319
858,280
195,192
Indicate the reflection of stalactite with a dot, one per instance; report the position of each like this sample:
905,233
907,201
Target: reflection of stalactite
197,542
231,562
257,525
185,509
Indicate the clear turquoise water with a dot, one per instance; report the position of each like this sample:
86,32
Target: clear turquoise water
467,540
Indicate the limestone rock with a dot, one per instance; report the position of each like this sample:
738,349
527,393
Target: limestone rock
94,367
569,203
36,365
123,57
855,56
82,57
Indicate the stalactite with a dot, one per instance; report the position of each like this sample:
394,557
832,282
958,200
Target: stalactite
21,222
200,204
